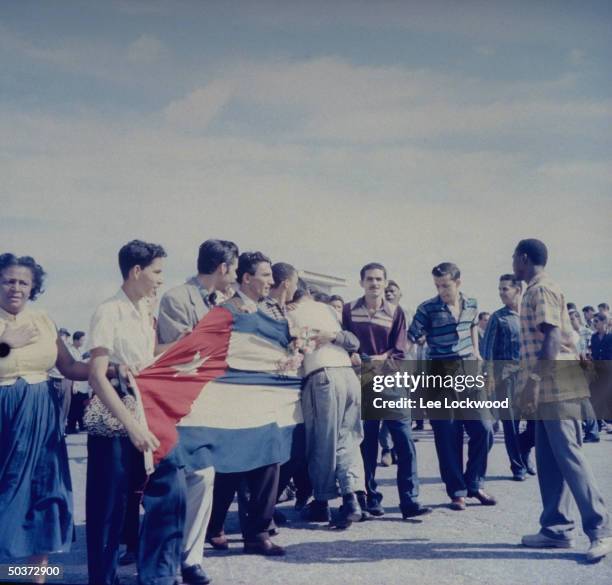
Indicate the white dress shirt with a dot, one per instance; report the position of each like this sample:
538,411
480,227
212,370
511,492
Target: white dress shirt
125,330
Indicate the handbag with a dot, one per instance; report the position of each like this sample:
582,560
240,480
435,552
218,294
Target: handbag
100,422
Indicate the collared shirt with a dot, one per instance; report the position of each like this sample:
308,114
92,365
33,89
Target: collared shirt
502,339
30,362
248,301
378,333
125,330
601,347
210,299
447,337
272,308
544,303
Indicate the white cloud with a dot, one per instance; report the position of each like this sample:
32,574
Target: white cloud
352,177
145,49
199,108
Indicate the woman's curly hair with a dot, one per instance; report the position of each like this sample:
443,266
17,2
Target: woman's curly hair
38,274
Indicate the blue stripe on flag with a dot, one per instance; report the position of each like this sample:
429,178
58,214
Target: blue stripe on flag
261,325
237,450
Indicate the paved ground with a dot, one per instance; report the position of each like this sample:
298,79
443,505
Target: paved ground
478,546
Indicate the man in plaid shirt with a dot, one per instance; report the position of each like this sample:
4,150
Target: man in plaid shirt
562,467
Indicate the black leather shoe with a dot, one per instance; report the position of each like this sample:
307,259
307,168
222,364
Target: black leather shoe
483,497
317,511
361,499
458,504
376,509
262,545
195,575
349,512
414,511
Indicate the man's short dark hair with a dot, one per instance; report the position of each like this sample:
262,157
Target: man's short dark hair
571,306
302,290
600,317
336,298
445,268
247,263
603,306
535,250
38,274
482,314
213,253
78,335
393,283
321,297
372,266
513,279
588,308
138,253
282,271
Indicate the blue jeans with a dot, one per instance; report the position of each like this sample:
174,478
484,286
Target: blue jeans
114,470
384,437
506,388
448,435
407,477
161,534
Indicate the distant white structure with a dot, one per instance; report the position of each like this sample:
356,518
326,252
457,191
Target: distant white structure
323,282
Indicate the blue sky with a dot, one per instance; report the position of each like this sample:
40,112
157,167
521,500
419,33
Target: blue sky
325,134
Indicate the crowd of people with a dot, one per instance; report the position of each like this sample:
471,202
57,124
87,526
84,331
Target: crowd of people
49,388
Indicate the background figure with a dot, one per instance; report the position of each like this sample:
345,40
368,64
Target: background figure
500,348
80,390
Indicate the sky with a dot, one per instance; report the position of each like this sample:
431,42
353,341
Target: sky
325,134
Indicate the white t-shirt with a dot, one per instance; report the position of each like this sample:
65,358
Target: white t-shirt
125,330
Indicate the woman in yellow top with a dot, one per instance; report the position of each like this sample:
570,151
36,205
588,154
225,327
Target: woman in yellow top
35,487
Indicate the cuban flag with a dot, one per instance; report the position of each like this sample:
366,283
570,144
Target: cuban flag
218,395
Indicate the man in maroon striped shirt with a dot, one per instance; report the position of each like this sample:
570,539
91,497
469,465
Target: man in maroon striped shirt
381,329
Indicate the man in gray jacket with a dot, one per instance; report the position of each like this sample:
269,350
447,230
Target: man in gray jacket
180,310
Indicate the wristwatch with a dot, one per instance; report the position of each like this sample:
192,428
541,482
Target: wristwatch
5,349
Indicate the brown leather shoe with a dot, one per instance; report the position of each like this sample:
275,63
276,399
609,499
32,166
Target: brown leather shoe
483,497
458,503
262,545
218,542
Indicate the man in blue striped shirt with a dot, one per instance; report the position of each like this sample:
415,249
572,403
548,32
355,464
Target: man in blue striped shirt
449,322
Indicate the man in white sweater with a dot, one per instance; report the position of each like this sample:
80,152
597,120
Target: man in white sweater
331,404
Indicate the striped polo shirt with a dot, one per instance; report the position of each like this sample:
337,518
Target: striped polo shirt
447,338
383,331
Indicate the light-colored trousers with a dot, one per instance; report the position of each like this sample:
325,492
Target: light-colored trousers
331,404
563,472
199,499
